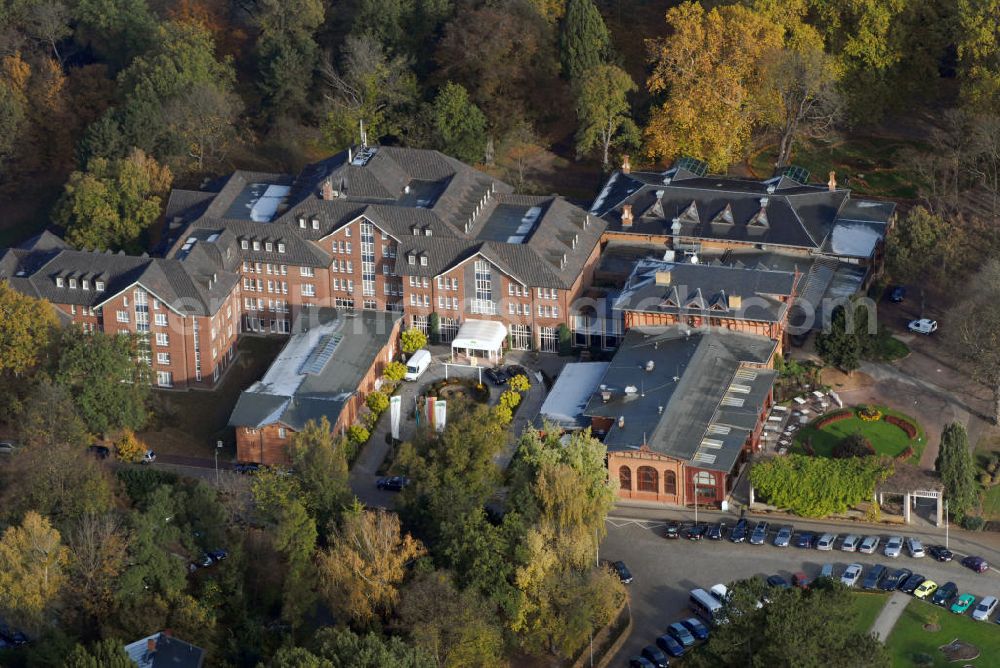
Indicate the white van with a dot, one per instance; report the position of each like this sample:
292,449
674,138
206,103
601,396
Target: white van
417,364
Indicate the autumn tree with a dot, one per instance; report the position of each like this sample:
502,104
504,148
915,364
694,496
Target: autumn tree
603,111
978,53
32,571
26,328
128,448
48,416
707,74
14,75
973,333
584,42
361,570
106,378
394,371
112,203
203,121
413,340
109,653
340,648
458,126
99,546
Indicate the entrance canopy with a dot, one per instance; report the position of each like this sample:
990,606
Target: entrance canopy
483,336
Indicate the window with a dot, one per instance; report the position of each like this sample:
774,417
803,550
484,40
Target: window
427,300
256,245
315,223
161,319
454,284
85,284
72,309
302,222
410,259
244,244
121,316
284,270
370,304
162,339
99,286
510,308
423,260
438,281
648,479
669,482
306,271
426,282
625,478
484,289
59,281
549,338
555,311
308,290
164,379
163,358
282,432
281,248
347,231
347,247
268,246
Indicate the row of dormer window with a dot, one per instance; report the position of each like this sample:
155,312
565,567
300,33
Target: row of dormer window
268,246
84,284
411,258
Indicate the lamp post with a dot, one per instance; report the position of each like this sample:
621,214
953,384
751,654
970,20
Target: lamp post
218,446
946,525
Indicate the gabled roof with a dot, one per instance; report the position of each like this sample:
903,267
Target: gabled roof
162,650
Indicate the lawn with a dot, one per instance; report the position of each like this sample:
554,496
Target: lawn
909,639
866,607
887,439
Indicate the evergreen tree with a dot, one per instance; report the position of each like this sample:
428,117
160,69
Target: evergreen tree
838,345
955,465
459,125
583,39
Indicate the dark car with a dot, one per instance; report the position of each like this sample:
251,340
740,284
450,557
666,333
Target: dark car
655,656
496,376
945,594
218,555
670,645
204,561
681,634
639,662
778,582
12,636
517,370
874,577
805,539
99,451
697,629
624,574
801,580
673,530
247,467
893,581
715,531
759,534
898,294
978,564
940,552
911,583
739,533
394,484
697,532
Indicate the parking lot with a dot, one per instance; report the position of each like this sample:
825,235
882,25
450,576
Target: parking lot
665,571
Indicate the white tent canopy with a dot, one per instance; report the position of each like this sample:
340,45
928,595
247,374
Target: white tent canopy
483,336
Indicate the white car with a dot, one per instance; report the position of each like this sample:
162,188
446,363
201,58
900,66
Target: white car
149,457
982,612
826,542
915,547
923,326
893,546
851,575
869,545
850,543
720,592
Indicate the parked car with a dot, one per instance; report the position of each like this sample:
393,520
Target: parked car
805,539
826,541
655,656
869,545
898,294
396,483
681,634
218,555
720,592
962,604
696,532
851,575
893,546
895,580
695,626
149,457
911,583
978,564
7,448
739,532
945,594
923,326
99,451
874,577
247,467
915,547
985,609
673,530
715,531
513,370
850,543
496,376
801,580
826,571
205,560
778,582
624,574
940,553
926,589
784,537
639,662
669,644
759,534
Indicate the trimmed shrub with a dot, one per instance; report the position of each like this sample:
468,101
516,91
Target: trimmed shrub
854,445
394,371
905,454
985,479
973,523
129,448
377,402
357,434
905,425
833,417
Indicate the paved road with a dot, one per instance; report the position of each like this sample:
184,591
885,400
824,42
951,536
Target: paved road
665,571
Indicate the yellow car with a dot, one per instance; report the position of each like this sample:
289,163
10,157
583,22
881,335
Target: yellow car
926,588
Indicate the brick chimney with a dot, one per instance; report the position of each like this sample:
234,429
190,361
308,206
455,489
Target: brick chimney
626,215
327,190
626,166
832,183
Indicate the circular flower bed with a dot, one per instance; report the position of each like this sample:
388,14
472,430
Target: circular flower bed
888,433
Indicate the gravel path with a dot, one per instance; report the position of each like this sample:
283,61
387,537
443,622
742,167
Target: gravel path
890,615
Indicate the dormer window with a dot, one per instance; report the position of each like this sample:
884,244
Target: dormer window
427,231
415,231
315,222
99,286
347,231
85,284
59,282
244,244
268,246
302,222
423,260
281,247
410,259
256,245
72,284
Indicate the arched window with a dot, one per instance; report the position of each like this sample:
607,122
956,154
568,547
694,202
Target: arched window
648,479
669,482
625,478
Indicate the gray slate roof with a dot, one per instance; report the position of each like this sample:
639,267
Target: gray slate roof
698,403
289,396
169,652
